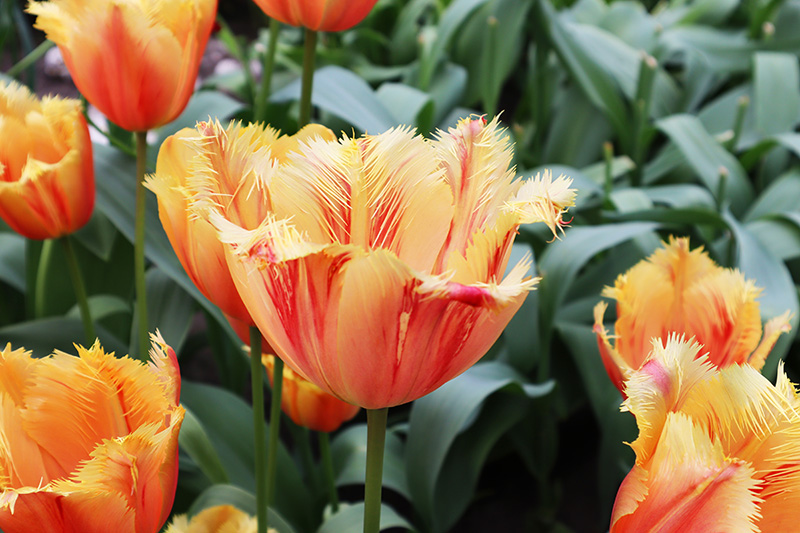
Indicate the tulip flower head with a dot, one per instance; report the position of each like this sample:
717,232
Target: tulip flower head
681,290
196,167
378,273
717,449
90,443
219,519
46,172
318,15
306,404
135,60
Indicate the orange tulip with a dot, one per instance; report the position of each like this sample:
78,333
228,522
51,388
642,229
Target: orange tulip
717,450
306,404
683,291
219,519
318,15
196,167
377,273
90,443
46,172
135,60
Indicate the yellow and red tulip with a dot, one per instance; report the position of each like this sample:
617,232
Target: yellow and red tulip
135,60
46,172
717,449
378,272
90,443
318,15
198,167
683,291
219,519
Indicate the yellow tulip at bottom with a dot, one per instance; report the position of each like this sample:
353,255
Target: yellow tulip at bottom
89,443
218,519
718,448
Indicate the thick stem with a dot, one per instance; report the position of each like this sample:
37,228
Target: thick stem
376,438
257,380
260,113
274,428
138,244
327,467
308,77
80,290
40,296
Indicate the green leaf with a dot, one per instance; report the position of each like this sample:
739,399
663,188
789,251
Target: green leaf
194,441
783,195
776,93
349,451
350,519
12,260
681,196
170,309
408,105
241,499
780,235
98,236
48,334
102,306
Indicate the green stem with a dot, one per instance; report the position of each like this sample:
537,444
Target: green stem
80,290
30,59
327,467
303,443
40,297
257,380
274,428
376,438
308,77
138,244
641,113
738,123
260,113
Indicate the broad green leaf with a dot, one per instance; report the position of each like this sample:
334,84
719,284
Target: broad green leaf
446,89
195,442
574,112
203,105
12,260
776,92
783,195
707,158
350,519
102,306
48,334
681,196
779,235
98,236
349,451
408,105
241,499
169,309
345,95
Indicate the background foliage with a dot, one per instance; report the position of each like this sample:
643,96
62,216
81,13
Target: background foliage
676,117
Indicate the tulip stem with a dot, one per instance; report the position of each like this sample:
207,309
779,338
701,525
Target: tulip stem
80,290
327,467
138,243
260,112
274,428
376,438
30,59
257,381
308,77
40,296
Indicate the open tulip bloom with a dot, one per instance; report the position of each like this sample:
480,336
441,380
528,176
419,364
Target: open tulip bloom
90,443
218,519
718,448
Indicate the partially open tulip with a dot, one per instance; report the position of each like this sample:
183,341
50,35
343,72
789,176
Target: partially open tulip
378,273
306,404
198,167
318,15
681,290
219,519
90,443
135,60
717,449
46,172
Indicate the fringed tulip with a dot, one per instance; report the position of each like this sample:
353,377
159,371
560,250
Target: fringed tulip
378,272
318,15
135,60
46,172
306,404
90,443
197,167
683,291
717,449
219,519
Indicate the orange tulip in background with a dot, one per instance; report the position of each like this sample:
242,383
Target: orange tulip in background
219,519
46,172
197,167
717,450
306,404
681,290
135,60
377,273
90,443
318,15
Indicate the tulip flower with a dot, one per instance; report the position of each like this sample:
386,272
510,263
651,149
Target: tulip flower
219,519
197,167
90,443
306,404
717,447
46,172
318,15
681,290
378,272
135,60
